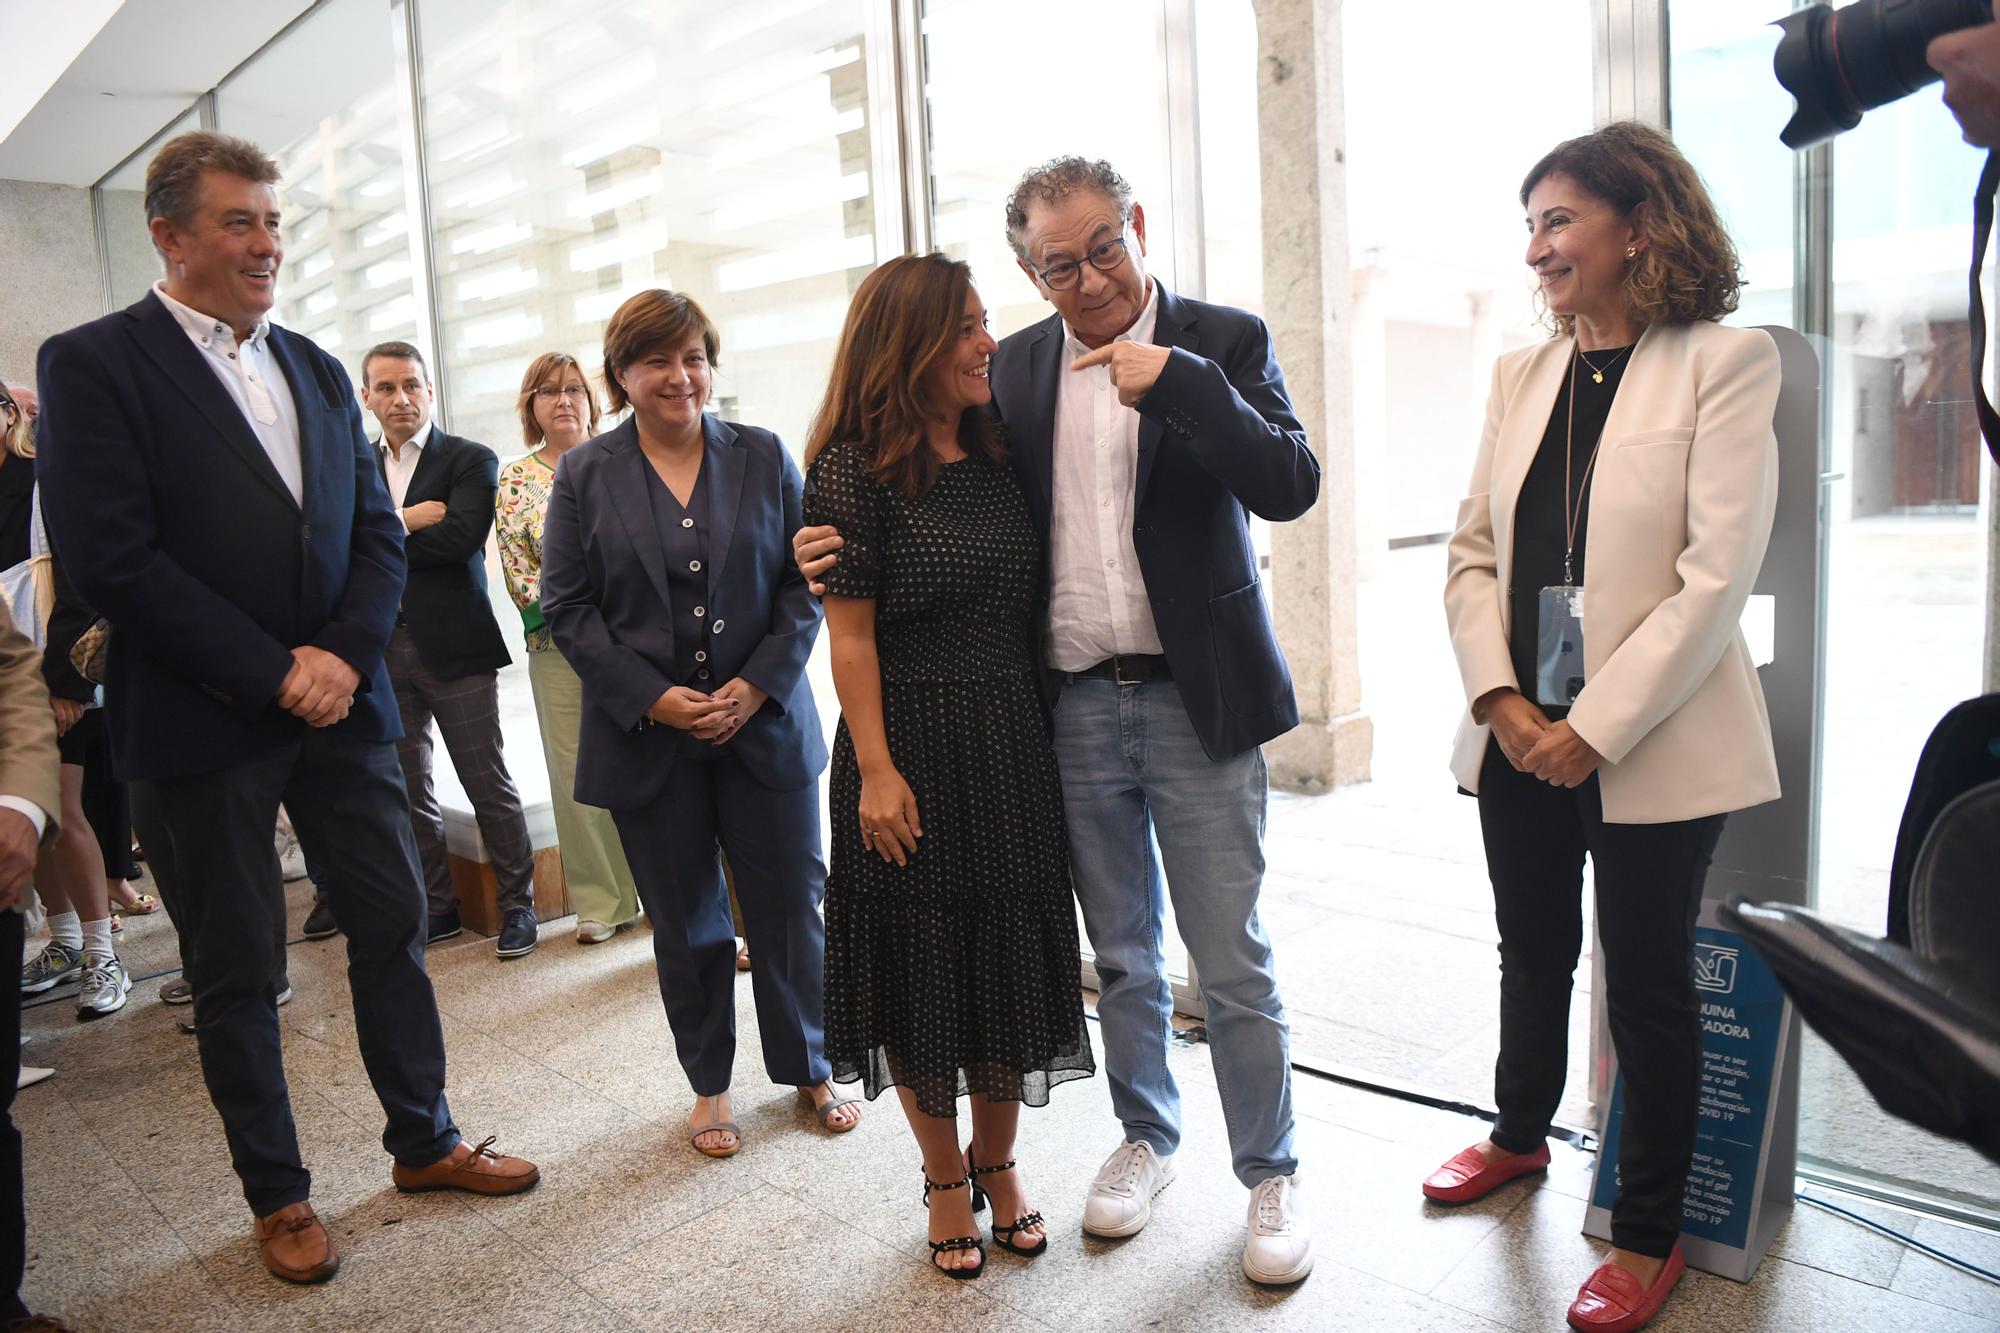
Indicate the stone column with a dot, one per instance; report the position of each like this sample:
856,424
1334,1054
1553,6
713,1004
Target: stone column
1307,295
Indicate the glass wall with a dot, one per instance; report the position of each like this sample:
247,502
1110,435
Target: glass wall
323,100
1436,244
984,135
1906,560
1904,618
580,152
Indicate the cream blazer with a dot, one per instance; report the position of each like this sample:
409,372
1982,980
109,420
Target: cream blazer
1681,505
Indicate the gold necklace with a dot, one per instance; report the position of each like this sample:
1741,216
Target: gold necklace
1597,371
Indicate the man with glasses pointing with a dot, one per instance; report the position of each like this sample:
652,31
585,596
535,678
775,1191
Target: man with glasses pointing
1146,428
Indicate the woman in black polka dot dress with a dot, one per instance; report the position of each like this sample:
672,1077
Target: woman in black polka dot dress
951,944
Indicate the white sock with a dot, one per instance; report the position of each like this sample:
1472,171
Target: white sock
97,939
64,928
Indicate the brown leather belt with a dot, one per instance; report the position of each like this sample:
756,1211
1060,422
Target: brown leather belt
1137,669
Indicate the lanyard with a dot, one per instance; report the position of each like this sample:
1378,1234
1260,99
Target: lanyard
1573,508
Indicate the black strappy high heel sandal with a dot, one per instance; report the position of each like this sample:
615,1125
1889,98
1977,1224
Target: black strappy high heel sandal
956,1242
1004,1236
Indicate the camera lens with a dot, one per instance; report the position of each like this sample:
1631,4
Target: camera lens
1839,63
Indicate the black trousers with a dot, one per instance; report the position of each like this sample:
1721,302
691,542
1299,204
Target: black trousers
468,716
13,1206
347,804
1648,879
151,826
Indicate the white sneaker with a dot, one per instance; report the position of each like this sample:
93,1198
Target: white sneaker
284,997
104,988
1279,1249
1121,1198
593,932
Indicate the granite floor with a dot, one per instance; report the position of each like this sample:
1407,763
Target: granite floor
136,1222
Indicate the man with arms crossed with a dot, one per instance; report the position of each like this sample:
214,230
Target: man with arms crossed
446,652
207,480
1145,429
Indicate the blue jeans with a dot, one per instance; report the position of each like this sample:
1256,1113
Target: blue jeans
1134,776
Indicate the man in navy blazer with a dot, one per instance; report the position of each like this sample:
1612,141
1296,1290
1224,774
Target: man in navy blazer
1146,428
207,480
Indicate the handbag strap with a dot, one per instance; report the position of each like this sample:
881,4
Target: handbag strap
38,533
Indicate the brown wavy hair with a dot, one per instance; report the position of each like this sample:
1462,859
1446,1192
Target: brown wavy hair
543,366
903,320
1686,268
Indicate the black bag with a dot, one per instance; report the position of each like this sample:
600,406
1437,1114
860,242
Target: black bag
1918,1014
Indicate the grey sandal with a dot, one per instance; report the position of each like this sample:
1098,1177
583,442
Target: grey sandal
725,1126
825,1112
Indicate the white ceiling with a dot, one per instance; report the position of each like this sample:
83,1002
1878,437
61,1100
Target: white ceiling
142,69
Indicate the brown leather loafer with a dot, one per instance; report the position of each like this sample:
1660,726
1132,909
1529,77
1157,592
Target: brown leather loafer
296,1245
476,1170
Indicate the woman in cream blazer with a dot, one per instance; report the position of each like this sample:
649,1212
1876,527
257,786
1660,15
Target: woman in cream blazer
1636,448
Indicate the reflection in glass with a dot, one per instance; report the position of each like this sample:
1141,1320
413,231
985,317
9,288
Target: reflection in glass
580,152
1906,580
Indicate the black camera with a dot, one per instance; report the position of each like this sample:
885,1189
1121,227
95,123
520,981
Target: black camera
1839,63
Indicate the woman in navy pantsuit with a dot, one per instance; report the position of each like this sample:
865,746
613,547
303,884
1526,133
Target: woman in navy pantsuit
668,582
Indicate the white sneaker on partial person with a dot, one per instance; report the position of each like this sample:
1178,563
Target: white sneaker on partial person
1279,1249
284,997
104,986
291,857
1120,1201
593,932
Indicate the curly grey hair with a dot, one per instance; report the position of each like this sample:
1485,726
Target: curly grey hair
1057,179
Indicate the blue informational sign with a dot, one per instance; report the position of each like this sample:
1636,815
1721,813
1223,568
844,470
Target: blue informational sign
1742,1020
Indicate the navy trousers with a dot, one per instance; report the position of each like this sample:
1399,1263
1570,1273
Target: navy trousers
347,803
772,838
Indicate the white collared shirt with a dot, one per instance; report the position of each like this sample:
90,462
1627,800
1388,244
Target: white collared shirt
251,376
1097,597
398,471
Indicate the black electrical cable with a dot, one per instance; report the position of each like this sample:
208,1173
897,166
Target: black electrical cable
1910,1241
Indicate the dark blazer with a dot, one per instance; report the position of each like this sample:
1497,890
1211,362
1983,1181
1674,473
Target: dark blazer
444,600
604,592
1217,442
171,521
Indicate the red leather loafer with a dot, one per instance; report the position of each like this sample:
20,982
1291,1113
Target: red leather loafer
1470,1176
1612,1301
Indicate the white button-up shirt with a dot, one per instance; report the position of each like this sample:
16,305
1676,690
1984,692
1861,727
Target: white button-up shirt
1097,597
253,379
398,471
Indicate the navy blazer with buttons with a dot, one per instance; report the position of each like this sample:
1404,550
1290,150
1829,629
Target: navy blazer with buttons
171,520
1218,441
604,593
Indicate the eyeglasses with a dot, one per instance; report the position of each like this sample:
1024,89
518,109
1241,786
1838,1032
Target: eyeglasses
575,391
1103,258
